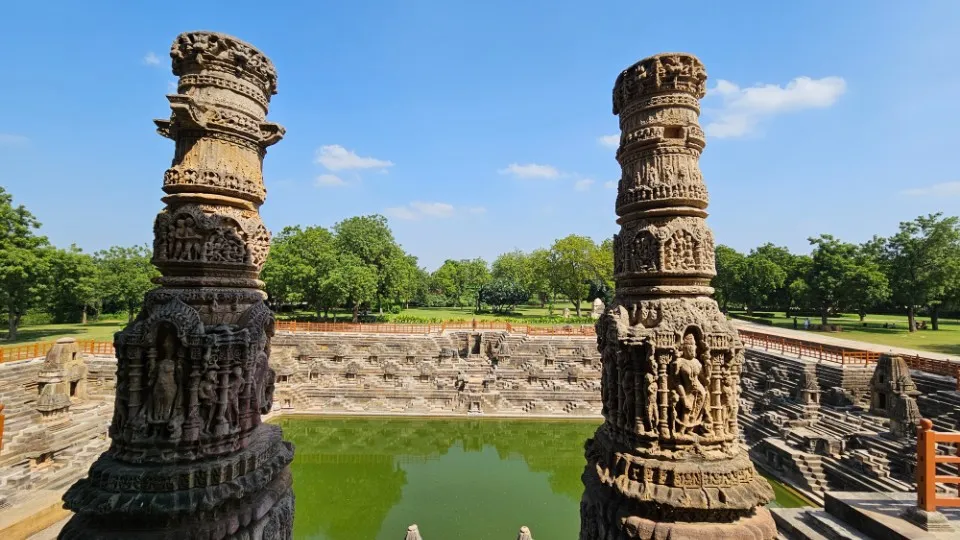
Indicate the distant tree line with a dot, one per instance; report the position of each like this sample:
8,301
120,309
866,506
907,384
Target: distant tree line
65,285
917,269
358,264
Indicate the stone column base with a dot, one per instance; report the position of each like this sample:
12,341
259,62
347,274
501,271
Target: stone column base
928,521
759,526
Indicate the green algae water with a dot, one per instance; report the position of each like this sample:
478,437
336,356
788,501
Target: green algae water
366,478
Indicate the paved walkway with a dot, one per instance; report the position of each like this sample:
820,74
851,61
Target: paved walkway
820,337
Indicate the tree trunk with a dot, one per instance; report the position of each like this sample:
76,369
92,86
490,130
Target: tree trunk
577,305
863,315
13,321
787,313
935,316
823,315
911,319
130,310
83,315
356,312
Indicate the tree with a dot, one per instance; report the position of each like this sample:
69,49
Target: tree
867,285
923,261
405,280
573,264
370,239
541,284
503,294
298,264
760,278
458,280
829,281
793,266
23,262
126,274
729,267
74,285
514,266
350,282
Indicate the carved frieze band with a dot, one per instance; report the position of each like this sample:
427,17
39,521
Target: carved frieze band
178,180
218,52
660,73
204,234
664,246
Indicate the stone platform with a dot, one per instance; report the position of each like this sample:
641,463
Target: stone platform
860,515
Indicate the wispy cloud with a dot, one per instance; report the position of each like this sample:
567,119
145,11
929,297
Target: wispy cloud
743,110
610,141
329,180
610,184
338,158
418,210
944,189
12,139
530,170
583,184
151,59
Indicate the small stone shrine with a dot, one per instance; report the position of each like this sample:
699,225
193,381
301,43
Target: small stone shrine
62,378
189,457
667,462
894,394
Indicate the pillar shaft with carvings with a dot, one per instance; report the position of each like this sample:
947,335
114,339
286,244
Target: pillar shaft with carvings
189,456
667,461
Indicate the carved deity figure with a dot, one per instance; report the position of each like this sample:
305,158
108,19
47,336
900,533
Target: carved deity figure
690,393
653,409
164,387
207,395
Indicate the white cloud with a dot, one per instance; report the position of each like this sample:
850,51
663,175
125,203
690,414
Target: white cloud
583,184
12,139
418,209
530,170
944,189
151,59
337,158
329,180
477,210
610,184
611,141
743,109
434,209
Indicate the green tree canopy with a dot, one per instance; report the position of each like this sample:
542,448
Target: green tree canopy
126,275
24,262
923,262
574,262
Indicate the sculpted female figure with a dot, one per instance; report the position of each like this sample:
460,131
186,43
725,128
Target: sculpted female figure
690,392
163,384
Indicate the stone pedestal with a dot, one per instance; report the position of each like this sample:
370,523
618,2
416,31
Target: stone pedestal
667,461
189,456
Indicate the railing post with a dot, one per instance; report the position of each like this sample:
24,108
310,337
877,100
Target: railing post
926,467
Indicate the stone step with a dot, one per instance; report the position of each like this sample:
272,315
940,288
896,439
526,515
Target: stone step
833,528
877,515
791,525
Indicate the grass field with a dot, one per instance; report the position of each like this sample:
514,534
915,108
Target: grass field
101,330
946,340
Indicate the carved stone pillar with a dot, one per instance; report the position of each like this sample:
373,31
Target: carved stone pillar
667,461
189,456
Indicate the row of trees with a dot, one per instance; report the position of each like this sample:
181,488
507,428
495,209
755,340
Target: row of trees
574,268
67,284
916,268
358,263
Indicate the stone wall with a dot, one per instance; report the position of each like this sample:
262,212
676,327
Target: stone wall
41,453
483,372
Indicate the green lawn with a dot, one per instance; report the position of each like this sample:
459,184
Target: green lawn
102,330
946,340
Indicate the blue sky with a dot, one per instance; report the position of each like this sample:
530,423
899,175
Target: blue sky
478,127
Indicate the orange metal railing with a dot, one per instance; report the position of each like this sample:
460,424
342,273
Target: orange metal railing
927,461
40,349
